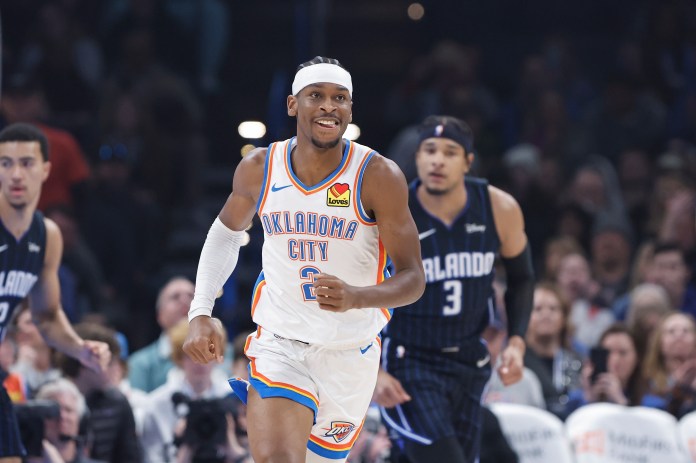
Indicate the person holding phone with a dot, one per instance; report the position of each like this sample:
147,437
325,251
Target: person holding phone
613,372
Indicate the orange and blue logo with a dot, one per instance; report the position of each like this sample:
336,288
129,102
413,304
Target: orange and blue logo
340,430
338,195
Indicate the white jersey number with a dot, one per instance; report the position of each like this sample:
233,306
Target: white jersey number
4,311
453,288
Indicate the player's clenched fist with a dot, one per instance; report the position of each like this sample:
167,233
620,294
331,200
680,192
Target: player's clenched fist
205,340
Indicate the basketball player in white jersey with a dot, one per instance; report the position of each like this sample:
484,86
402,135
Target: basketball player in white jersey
332,211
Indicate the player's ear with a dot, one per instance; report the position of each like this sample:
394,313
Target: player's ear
46,170
470,159
292,106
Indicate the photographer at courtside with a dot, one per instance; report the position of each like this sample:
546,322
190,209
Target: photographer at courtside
188,410
64,432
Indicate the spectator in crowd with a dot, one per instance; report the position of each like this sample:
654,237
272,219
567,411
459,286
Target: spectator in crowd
35,358
588,318
668,269
548,349
118,377
149,366
554,250
649,304
610,255
111,416
198,381
64,432
623,382
14,382
670,363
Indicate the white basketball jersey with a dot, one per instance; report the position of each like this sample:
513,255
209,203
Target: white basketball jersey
314,229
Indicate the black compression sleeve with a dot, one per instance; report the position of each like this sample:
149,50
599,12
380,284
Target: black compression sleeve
520,292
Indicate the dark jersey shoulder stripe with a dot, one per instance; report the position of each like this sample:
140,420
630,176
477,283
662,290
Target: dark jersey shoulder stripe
458,261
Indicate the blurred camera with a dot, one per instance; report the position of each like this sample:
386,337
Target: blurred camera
206,426
30,417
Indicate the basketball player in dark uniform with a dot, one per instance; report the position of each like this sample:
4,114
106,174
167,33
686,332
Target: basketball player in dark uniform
436,365
30,251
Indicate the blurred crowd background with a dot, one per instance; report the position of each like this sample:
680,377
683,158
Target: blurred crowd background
584,111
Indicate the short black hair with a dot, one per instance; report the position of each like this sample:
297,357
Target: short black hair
320,60
24,132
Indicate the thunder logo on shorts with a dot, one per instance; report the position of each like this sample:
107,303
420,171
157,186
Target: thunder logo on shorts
339,430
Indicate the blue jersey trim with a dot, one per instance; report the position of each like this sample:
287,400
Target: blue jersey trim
358,189
328,179
266,391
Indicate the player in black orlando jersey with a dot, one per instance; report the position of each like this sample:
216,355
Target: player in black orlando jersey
436,365
30,251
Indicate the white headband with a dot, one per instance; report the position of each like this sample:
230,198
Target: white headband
322,72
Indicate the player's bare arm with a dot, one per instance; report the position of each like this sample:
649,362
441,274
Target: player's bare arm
219,257
240,207
48,315
509,222
516,256
385,198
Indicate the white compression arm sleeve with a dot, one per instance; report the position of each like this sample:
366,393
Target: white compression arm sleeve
218,260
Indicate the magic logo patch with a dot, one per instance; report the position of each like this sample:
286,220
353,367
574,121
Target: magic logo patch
338,195
340,430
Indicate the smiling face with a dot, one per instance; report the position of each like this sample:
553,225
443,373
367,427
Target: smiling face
441,164
22,172
323,112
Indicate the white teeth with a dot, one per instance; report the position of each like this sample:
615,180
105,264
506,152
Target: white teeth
327,122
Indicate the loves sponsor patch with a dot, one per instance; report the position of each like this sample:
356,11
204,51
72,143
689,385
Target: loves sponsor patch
338,195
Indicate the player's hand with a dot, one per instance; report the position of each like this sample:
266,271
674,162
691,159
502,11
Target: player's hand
512,361
388,391
95,355
333,293
204,340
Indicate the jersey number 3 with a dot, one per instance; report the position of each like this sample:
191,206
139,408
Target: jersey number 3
453,295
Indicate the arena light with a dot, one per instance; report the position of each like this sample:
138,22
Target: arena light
352,132
252,129
415,11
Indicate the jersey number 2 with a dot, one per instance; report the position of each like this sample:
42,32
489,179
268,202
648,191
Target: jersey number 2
453,296
308,291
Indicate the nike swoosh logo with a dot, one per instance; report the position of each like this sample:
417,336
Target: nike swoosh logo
483,361
426,234
275,188
362,351
3,247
